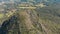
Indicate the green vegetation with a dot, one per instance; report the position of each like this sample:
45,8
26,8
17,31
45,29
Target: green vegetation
29,20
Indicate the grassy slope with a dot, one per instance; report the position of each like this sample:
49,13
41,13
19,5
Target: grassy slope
50,20
40,21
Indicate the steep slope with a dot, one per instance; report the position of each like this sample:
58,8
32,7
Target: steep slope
21,23
28,21
44,19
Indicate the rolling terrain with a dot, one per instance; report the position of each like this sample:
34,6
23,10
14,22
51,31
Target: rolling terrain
30,17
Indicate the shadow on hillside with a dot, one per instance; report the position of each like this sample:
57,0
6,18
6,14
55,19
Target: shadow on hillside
8,25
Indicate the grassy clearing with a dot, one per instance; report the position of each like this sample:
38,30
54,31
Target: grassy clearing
1,15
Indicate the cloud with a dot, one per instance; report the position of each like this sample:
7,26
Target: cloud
2,3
